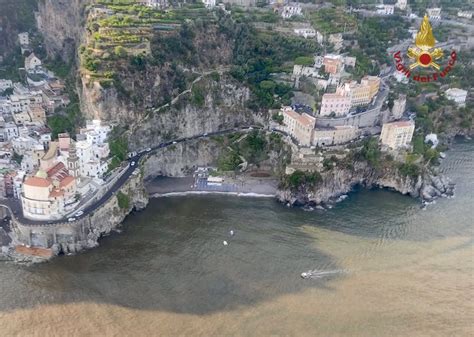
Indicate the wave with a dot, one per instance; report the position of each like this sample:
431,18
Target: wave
238,194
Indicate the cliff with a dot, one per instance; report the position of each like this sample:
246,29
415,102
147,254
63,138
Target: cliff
334,183
61,23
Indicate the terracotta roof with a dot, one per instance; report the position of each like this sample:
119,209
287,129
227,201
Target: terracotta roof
306,119
37,182
56,193
56,169
66,181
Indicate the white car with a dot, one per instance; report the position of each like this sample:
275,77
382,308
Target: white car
71,219
204,134
79,213
148,149
132,163
175,142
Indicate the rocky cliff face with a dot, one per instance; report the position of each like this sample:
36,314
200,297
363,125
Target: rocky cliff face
222,107
62,24
180,159
341,181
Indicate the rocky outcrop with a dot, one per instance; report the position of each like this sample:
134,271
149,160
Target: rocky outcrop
180,159
223,107
335,183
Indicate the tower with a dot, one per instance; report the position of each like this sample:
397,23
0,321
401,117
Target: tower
73,161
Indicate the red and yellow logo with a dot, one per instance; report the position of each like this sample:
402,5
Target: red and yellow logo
424,55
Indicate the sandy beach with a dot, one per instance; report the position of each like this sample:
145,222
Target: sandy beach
240,185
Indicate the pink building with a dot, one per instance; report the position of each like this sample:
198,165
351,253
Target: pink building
338,103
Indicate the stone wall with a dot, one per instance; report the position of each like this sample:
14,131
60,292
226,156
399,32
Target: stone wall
72,237
361,120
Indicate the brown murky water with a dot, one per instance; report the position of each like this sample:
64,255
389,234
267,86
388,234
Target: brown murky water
397,270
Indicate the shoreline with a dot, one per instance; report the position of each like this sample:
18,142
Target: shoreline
243,186
185,193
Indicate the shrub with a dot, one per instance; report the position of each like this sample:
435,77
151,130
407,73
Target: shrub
300,178
277,118
409,169
123,200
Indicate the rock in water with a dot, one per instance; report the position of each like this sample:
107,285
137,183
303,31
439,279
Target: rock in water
225,243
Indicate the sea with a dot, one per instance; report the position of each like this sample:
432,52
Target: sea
380,265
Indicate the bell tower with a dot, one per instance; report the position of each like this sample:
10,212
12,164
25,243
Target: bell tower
73,161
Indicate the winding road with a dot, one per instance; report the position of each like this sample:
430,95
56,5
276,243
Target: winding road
15,204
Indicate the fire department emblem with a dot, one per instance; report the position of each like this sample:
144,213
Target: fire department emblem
423,53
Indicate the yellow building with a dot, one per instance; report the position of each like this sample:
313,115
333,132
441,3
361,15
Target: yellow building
299,126
362,93
334,135
397,135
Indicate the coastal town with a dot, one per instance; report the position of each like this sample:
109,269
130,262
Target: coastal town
236,167
51,178
325,106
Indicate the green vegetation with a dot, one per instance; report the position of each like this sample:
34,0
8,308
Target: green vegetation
304,60
277,118
409,169
375,34
333,20
257,55
17,157
371,152
118,148
253,147
300,178
229,161
198,95
123,200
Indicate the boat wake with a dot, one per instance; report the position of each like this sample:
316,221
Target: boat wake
316,273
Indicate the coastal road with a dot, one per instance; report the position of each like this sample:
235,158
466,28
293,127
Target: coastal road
132,163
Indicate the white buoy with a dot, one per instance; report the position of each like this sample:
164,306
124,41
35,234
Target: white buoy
225,243
231,232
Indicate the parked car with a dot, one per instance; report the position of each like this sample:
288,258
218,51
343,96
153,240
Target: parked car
79,213
71,219
204,134
132,163
174,142
148,149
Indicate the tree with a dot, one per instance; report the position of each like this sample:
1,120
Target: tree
120,51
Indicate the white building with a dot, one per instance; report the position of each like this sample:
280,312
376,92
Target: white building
291,10
32,62
457,95
299,70
397,135
209,3
465,14
24,39
401,4
5,84
385,9
305,32
434,13
92,149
